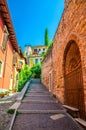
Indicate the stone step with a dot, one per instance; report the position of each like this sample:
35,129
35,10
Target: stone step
40,111
35,94
28,95
57,121
46,98
38,92
40,101
35,80
37,89
40,106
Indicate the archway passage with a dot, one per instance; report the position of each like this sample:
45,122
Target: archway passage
74,93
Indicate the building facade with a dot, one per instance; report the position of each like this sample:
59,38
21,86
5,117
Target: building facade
34,54
8,45
64,67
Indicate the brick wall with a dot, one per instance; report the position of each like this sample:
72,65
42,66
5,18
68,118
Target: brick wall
72,27
47,69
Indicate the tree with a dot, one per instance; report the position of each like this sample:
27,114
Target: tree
26,73
46,37
36,71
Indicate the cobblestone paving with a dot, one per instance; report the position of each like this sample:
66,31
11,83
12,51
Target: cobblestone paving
42,121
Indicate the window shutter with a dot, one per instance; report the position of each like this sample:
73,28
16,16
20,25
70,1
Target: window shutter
14,58
5,38
0,67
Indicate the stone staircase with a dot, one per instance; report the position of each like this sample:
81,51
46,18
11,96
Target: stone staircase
39,110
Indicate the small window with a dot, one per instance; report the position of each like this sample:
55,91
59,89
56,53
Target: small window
28,61
26,53
40,59
36,61
1,67
43,49
20,63
35,50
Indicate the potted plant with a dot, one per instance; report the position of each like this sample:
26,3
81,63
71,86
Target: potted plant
7,92
2,94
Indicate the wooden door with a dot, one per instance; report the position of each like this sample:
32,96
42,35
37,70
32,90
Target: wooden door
73,79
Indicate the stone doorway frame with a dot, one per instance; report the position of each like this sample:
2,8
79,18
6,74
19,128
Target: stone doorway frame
65,53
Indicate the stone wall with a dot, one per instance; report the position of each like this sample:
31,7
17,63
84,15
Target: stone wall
72,27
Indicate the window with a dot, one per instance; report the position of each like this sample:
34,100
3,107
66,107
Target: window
35,50
26,53
1,67
43,49
20,63
36,61
28,61
5,37
40,59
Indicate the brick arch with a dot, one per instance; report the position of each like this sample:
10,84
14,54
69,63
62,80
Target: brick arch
74,54
73,79
74,37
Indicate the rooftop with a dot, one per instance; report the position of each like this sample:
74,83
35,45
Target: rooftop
4,11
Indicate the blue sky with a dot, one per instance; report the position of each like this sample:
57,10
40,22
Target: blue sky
31,17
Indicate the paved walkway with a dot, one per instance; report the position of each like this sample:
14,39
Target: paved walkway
40,111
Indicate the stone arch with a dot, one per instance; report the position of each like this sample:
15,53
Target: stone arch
73,79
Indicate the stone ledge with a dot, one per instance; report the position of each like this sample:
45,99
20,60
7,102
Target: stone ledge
71,108
20,97
74,112
15,106
81,121
12,121
22,93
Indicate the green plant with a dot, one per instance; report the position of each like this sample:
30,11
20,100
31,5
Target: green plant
17,113
36,71
4,92
11,111
24,76
27,73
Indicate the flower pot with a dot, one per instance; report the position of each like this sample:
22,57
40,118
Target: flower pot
1,95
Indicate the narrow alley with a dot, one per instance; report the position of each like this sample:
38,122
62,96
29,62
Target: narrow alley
39,110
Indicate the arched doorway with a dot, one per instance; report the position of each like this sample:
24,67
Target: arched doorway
74,95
